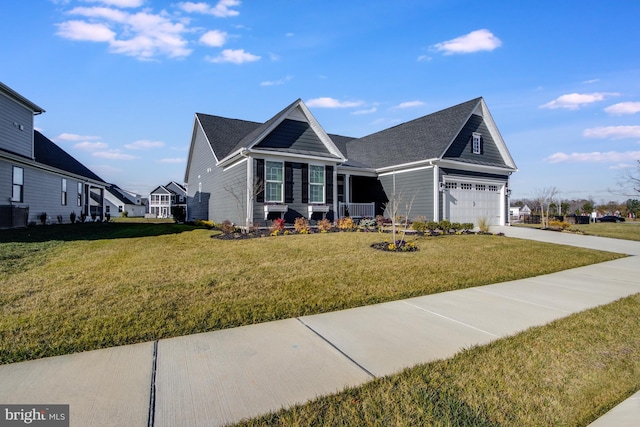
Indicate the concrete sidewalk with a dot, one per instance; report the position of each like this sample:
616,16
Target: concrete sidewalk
221,377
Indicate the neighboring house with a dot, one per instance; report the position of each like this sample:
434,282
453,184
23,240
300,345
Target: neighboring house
452,164
168,201
118,201
36,176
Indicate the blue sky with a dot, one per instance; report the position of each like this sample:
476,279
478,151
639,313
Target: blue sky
121,80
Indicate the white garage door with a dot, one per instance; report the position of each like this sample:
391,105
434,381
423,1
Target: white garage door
471,201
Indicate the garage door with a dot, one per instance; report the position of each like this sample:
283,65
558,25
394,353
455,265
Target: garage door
470,201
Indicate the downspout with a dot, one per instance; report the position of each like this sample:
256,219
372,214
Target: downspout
250,188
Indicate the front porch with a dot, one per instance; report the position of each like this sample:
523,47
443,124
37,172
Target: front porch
356,210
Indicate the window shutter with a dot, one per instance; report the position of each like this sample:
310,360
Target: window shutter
328,172
305,183
471,143
288,182
260,178
481,145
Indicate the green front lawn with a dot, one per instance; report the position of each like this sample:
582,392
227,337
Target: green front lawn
70,288
629,230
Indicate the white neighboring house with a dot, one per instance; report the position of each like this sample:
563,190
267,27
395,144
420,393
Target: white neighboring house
39,181
168,201
117,201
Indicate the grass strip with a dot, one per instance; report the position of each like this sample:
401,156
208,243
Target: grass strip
567,373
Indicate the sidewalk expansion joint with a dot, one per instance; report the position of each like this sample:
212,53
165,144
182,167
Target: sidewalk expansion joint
451,319
524,300
365,370
152,392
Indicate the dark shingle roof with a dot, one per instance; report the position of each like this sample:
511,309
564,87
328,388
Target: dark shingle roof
50,154
224,134
423,138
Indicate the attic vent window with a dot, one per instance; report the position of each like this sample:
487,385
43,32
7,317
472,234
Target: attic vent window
477,143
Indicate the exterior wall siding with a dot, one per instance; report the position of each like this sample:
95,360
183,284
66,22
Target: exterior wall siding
201,162
12,138
416,185
296,207
462,148
294,135
42,193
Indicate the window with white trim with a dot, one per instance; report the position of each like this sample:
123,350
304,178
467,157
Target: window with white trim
64,192
79,194
17,192
316,184
477,143
466,186
493,188
481,187
274,181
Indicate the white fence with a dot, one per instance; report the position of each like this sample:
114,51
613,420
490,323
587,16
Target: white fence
357,210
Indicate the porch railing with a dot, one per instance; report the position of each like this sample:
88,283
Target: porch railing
357,210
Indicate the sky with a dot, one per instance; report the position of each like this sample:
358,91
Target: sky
121,80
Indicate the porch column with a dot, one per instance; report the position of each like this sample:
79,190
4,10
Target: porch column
436,193
335,192
251,190
347,188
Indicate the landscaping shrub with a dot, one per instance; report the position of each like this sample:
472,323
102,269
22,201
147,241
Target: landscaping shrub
227,227
483,224
124,214
368,223
558,225
72,217
43,218
346,223
324,225
432,225
382,221
301,225
277,226
205,223
420,226
445,226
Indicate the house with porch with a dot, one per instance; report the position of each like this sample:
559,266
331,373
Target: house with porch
168,201
38,179
452,164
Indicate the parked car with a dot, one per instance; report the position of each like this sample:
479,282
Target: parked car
610,218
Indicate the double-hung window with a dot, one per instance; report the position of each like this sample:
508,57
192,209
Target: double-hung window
316,184
64,192
274,181
17,193
79,194
477,143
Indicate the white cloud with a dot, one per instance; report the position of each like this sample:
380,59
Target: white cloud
235,56
214,38
74,137
367,111
475,41
113,155
276,82
173,160
289,34
588,82
573,101
91,146
119,3
144,145
623,108
424,58
143,35
85,31
409,104
594,157
326,102
613,132
221,9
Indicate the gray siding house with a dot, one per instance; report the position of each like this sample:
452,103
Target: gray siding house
168,201
452,164
117,201
38,177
